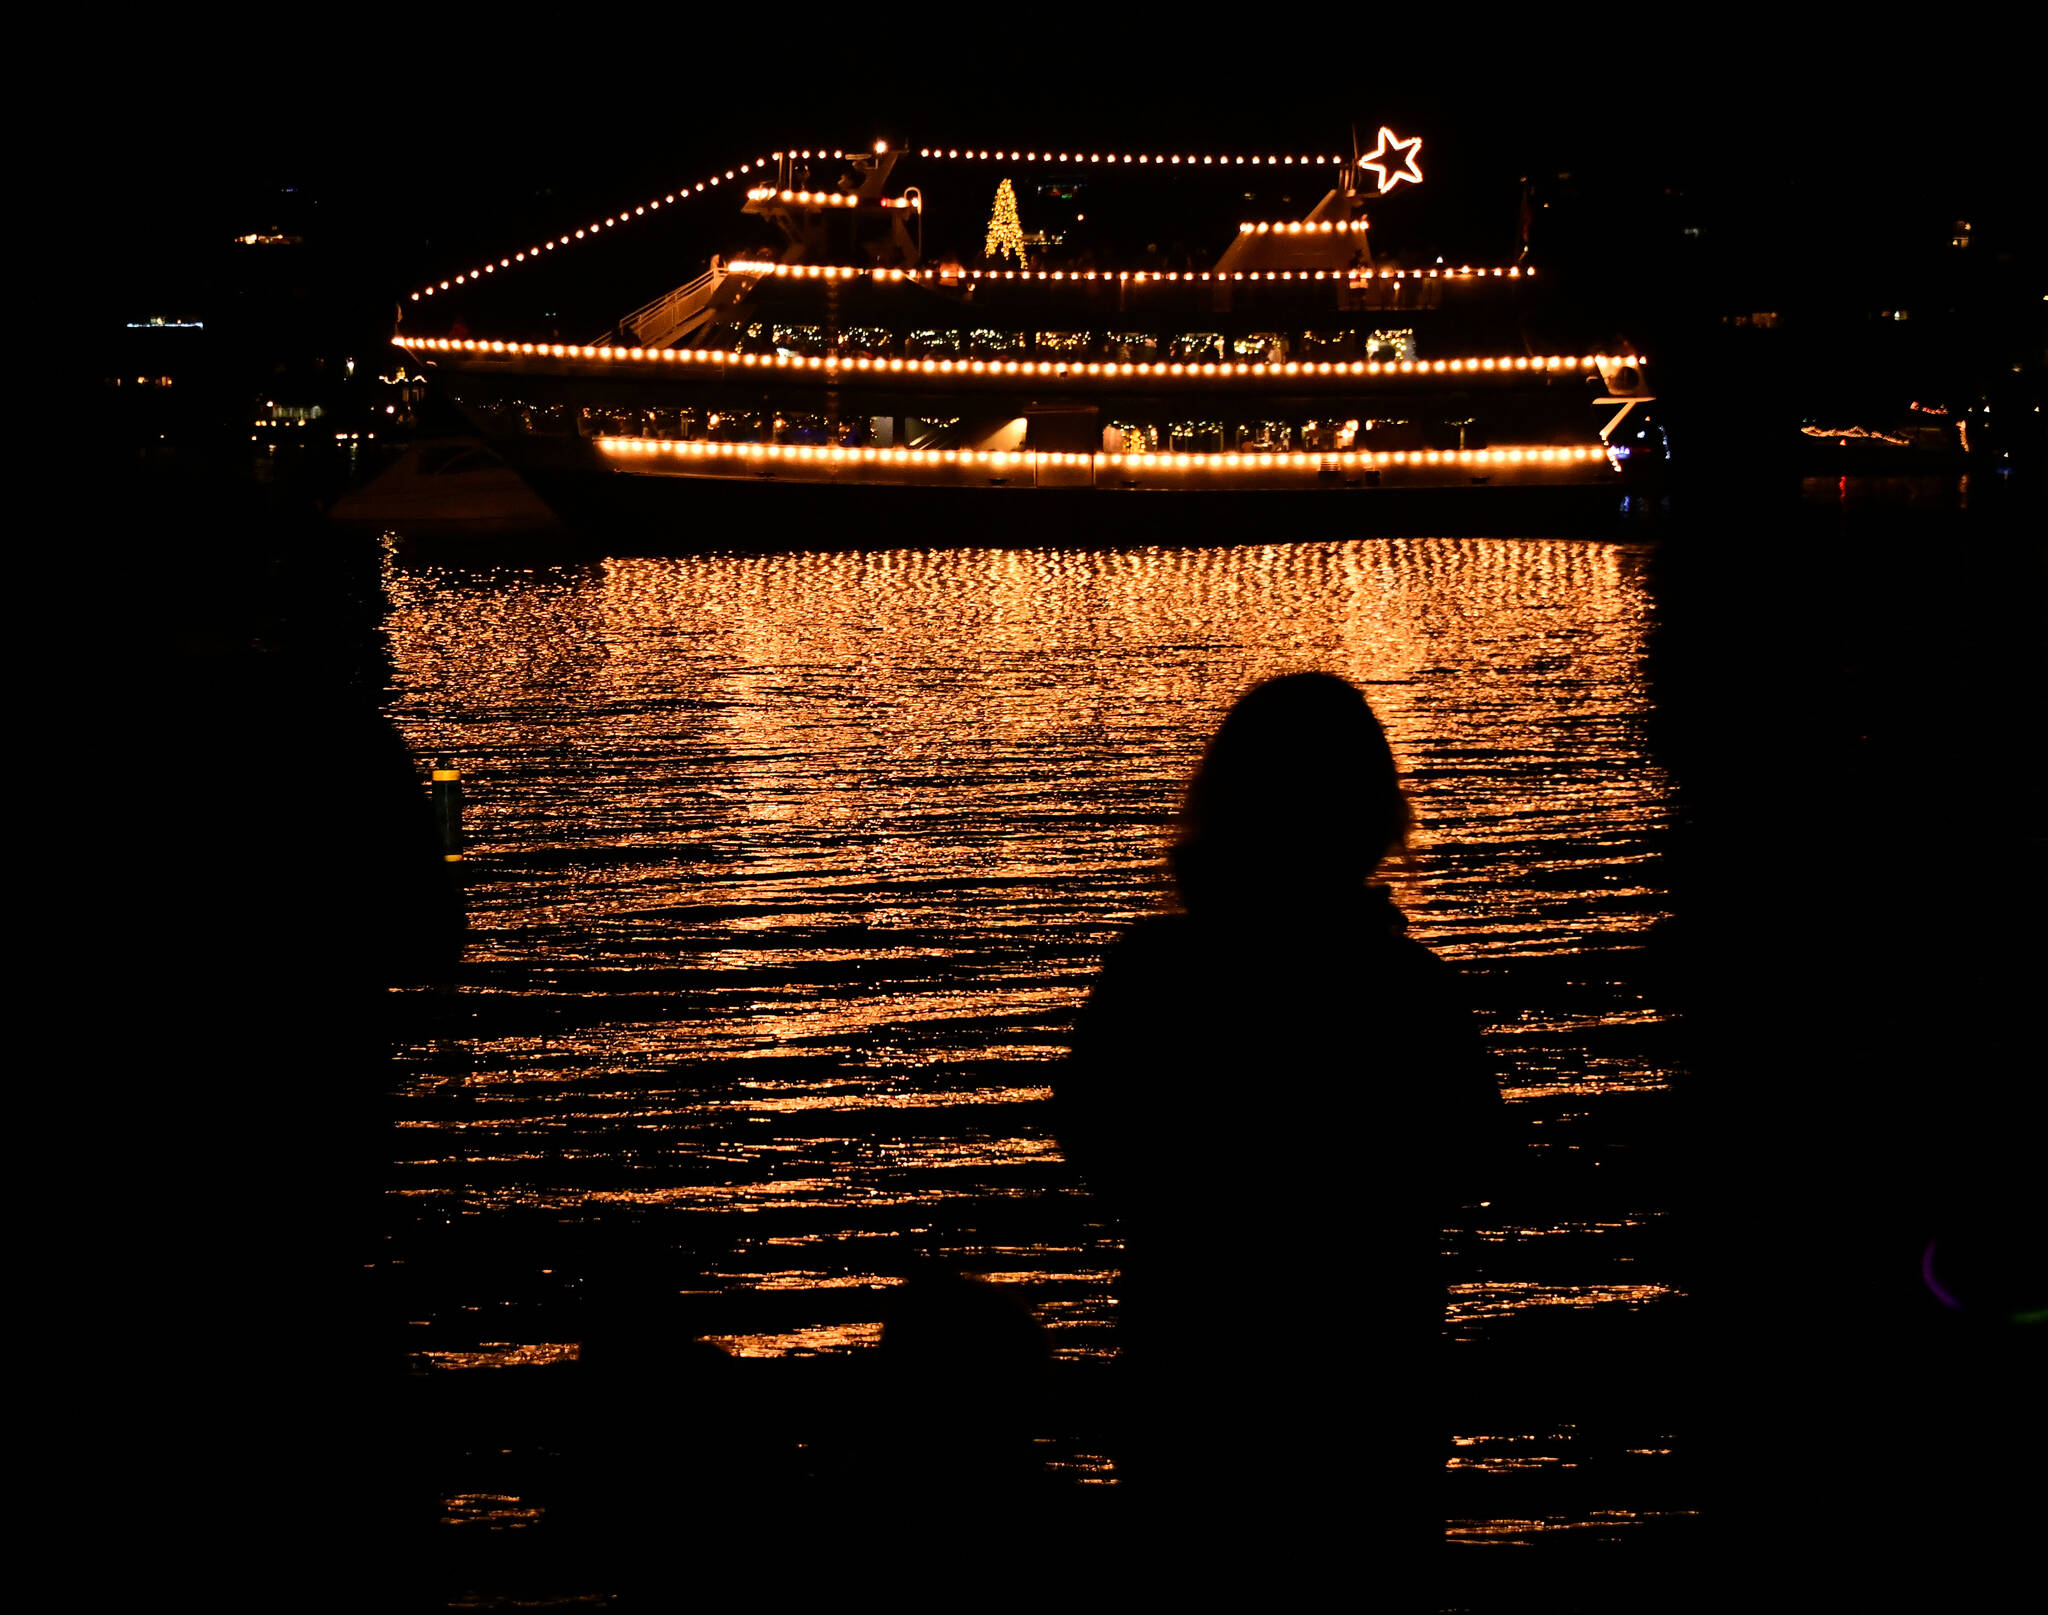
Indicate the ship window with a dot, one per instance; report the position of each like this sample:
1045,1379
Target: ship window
984,343
1388,345
1469,433
1260,347
1129,437
799,338
1204,437
1329,435
920,342
1065,341
1265,436
1385,293
802,426
1127,347
1382,434
1326,344
1197,347
733,426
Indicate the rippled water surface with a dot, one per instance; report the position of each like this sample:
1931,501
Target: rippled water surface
790,870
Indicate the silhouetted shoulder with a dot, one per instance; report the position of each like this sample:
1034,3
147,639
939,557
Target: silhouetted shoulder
1244,1030
1280,974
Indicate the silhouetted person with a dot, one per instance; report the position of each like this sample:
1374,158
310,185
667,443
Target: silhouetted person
278,873
1281,1099
303,880
962,1368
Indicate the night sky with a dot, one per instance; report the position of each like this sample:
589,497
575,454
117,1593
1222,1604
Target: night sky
409,155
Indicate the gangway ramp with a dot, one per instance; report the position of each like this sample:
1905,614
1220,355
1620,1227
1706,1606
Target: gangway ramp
676,316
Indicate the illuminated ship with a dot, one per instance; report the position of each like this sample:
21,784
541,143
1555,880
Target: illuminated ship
1295,372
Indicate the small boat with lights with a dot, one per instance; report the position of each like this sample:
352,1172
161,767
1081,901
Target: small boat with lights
846,361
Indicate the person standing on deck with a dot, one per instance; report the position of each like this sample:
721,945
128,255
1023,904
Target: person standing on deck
1282,1100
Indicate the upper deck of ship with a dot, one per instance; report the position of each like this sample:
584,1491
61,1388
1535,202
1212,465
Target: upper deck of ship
842,242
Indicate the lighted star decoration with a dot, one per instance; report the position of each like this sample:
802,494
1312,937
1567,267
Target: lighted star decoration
1401,165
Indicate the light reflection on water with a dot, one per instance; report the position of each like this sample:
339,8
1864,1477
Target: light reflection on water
872,817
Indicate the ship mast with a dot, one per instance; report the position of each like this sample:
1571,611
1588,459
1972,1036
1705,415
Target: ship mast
839,225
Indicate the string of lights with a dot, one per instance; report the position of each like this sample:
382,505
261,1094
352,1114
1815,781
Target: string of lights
1289,459
764,193
768,193
1844,433
1393,159
1104,370
597,227
1140,160
1303,228
759,266
278,428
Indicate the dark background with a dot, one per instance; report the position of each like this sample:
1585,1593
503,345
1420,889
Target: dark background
1825,160
417,145
1857,906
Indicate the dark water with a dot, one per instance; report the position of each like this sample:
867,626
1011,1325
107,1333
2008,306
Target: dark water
790,871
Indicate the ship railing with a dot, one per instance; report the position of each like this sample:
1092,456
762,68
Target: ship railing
653,322
674,314
669,299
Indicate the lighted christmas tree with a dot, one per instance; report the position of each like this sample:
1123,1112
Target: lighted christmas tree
1005,229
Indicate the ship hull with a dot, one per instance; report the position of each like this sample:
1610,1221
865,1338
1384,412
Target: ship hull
680,513
1022,468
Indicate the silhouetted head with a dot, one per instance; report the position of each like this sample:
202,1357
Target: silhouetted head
1295,803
